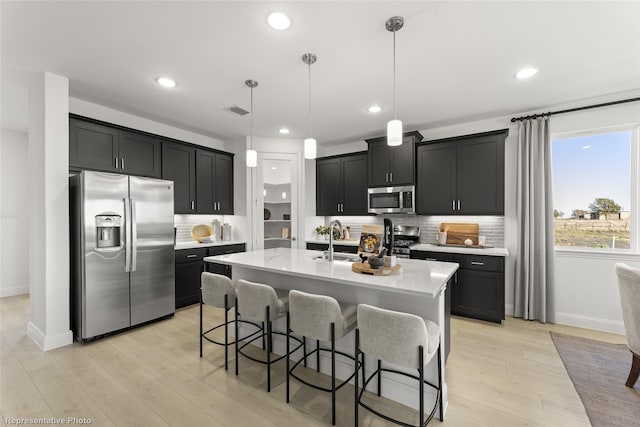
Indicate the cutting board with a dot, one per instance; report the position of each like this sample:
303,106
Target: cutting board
365,268
458,232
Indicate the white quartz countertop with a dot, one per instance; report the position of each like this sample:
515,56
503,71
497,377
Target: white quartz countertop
350,242
460,250
193,244
418,277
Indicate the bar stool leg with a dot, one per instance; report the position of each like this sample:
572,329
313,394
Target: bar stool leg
268,322
237,335
318,356
421,385
288,354
440,382
201,323
333,373
355,379
379,376
264,345
304,350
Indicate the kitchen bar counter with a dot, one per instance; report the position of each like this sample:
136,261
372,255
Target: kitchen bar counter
420,289
429,247
193,244
350,242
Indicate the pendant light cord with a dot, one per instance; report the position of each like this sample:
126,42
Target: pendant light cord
309,99
251,120
394,74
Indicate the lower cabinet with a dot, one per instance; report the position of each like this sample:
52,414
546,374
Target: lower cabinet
478,286
348,249
190,265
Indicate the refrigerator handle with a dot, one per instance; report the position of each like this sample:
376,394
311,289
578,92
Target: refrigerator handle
134,237
127,239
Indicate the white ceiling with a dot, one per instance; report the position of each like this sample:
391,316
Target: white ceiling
455,60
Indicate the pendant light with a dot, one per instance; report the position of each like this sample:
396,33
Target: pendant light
252,155
309,143
394,127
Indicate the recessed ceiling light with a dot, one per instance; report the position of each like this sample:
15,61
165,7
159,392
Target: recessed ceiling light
374,109
526,73
274,168
284,131
279,21
166,82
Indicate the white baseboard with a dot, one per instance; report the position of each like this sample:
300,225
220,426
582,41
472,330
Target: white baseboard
508,309
588,322
15,290
48,342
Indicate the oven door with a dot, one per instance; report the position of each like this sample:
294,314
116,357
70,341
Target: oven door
384,200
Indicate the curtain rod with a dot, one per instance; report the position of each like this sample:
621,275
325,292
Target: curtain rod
571,110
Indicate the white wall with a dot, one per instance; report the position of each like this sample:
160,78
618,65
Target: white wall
14,249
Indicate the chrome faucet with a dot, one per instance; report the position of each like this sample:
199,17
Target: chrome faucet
331,225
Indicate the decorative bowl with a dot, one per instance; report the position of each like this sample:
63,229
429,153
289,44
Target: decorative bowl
375,262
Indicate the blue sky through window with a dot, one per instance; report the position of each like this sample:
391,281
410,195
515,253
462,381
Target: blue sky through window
590,166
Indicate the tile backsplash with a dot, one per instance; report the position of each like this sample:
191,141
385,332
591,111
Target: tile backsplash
490,226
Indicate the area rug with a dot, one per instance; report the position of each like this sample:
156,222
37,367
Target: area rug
598,371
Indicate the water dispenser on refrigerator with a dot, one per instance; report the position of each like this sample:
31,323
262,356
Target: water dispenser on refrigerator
108,231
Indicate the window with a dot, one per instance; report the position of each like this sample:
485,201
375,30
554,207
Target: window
595,189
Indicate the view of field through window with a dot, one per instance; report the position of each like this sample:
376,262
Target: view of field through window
592,190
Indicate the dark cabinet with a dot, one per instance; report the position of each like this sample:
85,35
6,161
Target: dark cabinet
179,166
461,176
214,182
99,147
341,185
189,268
348,249
478,286
388,165
190,265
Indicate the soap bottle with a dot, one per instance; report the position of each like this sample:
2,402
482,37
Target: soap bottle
347,233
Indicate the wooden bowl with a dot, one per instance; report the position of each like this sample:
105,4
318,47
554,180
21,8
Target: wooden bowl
201,232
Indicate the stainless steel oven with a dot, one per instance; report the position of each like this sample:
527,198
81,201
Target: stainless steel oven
385,200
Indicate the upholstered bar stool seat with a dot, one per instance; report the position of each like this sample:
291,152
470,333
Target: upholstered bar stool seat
404,340
321,318
217,291
257,302
629,286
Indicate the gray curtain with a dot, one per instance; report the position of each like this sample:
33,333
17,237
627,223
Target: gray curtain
534,258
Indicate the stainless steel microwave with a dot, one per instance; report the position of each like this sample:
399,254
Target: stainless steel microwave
384,200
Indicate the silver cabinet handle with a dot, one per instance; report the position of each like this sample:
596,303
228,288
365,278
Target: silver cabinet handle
430,259
453,205
192,256
116,162
458,204
193,205
122,162
386,177
219,206
477,263
390,176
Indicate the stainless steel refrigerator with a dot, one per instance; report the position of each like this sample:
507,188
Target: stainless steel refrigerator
122,252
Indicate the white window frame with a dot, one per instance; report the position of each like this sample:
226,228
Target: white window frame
635,187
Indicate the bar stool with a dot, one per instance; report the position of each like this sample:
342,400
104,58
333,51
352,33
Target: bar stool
218,291
321,318
402,339
258,302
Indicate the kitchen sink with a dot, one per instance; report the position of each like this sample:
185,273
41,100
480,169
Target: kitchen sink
339,257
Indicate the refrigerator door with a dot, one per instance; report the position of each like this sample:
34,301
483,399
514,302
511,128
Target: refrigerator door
105,281
152,257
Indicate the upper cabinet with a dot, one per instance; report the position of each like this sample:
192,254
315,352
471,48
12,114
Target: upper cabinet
341,185
462,175
392,166
214,182
99,147
179,166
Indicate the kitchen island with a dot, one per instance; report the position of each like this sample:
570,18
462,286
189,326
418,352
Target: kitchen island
419,289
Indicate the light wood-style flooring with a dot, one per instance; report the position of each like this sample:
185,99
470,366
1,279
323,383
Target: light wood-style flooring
498,375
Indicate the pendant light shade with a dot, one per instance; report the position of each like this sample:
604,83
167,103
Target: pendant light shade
310,148
252,155
394,127
309,143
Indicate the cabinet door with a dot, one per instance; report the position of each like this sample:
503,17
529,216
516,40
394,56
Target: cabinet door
188,277
436,184
328,186
402,159
378,164
354,181
205,188
92,146
179,166
139,154
480,175
223,182
479,294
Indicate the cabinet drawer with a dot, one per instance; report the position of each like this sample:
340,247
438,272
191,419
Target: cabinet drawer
227,249
190,255
481,262
433,256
